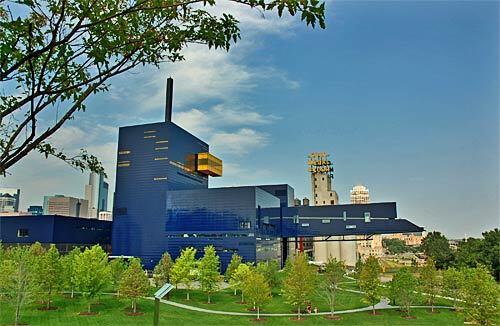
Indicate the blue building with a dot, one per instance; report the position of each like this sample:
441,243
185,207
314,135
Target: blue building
35,210
65,232
162,203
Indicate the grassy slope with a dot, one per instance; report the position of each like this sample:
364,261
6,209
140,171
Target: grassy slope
227,301
111,312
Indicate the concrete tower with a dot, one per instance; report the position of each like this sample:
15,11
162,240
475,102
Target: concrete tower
321,169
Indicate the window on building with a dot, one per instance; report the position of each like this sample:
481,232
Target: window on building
245,225
331,194
332,202
367,217
323,179
22,233
316,195
323,202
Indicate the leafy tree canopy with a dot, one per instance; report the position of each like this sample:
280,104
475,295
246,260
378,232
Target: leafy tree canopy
395,246
436,245
56,53
163,270
134,282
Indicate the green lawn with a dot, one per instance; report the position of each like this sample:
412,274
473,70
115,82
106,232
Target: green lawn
227,301
112,312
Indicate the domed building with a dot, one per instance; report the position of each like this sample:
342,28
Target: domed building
360,195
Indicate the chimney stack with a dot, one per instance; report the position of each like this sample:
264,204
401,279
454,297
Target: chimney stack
169,98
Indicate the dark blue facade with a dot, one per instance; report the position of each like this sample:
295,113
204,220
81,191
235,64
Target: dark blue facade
224,217
152,160
162,203
65,232
335,220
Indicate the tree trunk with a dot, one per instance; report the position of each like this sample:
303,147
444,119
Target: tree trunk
134,303
209,298
18,313
333,306
234,291
373,309
242,300
48,301
432,307
298,313
258,312
187,296
72,292
88,308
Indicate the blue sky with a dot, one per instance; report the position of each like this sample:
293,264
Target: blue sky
404,95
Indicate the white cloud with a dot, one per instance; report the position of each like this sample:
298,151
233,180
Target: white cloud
240,142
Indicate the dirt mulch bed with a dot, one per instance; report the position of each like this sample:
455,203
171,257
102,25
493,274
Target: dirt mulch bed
261,320
137,313
408,317
334,317
239,302
252,309
86,313
433,312
377,313
295,319
47,309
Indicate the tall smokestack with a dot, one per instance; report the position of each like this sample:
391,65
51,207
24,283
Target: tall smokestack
169,98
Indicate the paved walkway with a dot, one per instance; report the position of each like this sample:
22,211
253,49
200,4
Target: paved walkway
383,304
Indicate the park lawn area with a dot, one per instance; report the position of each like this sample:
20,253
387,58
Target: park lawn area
112,312
226,300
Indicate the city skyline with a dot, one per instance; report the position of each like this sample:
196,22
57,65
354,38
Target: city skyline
263,110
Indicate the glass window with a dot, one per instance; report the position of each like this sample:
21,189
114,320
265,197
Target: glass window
367,217
22,233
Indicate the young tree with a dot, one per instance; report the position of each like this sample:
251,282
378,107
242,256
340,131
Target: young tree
236,260
184,269
239,277
117,267
49,274
269,269
134,283
436,245
18,285
299,283
68,266
92,273
162,271
369,281
430,283
402,287
480,295
60,52
257,290
453,281
209,271
332,276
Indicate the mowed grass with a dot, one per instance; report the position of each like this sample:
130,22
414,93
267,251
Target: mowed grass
111,311
226,300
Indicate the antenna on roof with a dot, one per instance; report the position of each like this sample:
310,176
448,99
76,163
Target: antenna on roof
169,99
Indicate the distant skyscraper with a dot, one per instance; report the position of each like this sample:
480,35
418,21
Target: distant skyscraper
360,195
9,200
96,193
66,206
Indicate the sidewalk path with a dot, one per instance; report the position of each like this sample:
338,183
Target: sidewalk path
383,304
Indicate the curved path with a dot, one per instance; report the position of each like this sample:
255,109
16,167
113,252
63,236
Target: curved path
383,304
